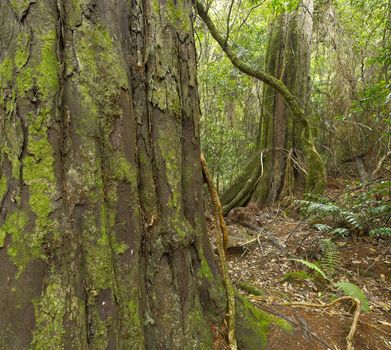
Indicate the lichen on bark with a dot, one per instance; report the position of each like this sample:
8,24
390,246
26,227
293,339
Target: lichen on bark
103,239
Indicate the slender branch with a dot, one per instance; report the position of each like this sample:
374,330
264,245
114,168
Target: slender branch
221,242
268,79
228,21
249,13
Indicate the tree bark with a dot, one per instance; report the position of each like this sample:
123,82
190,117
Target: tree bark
102,232
287,157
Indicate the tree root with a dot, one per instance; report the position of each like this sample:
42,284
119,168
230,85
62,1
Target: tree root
221,242
356,315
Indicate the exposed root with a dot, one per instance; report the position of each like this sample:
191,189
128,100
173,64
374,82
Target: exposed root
221,242
356,315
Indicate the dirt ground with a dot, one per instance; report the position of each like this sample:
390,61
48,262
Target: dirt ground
275,238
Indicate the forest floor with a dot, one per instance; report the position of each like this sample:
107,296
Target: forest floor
264,261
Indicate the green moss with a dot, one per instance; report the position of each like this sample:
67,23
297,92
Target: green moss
297,276
14,224
156,7
47,77
205,270
6,73
22,53
100,267
123,170
3,186
134,311
100,328
253,324
20,6
96,50
250,289
24,80
38,171
200,335
49,316
178,15
20,250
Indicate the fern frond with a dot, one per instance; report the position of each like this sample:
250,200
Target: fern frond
322,227
312,266
380,232
331,258
350,218
340,231
354,291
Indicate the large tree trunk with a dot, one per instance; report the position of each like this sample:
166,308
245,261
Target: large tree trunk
102,232
284,144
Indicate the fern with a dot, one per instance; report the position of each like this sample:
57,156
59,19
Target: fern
331,212
350,218
340,231
331,258
381,232
317,208
322,227
354,291
313,267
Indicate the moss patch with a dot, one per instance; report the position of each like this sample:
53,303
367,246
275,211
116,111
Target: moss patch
49,316
252,325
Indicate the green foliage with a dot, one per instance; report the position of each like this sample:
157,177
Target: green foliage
362,210
313,267
317,211
380,232
297,276
280,6
346,287
330,257
250,289
351,81
354,291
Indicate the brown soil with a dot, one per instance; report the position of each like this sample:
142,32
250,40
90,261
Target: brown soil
263,264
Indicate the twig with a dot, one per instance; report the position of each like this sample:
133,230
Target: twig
379,165
357,311
221,242
271,310
371,325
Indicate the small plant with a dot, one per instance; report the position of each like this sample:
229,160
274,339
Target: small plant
354,291
363,210
330,258
312,266
346,287
297,276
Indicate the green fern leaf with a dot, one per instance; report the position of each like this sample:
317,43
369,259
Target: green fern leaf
380,232
330,259
322,227
354,291
340,231
312,266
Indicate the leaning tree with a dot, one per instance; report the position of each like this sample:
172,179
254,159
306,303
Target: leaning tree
286,156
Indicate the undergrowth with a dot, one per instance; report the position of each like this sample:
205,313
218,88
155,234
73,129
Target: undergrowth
361,210
329,263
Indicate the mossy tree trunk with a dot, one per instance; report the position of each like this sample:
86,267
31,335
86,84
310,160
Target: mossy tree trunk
285,145
102,236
